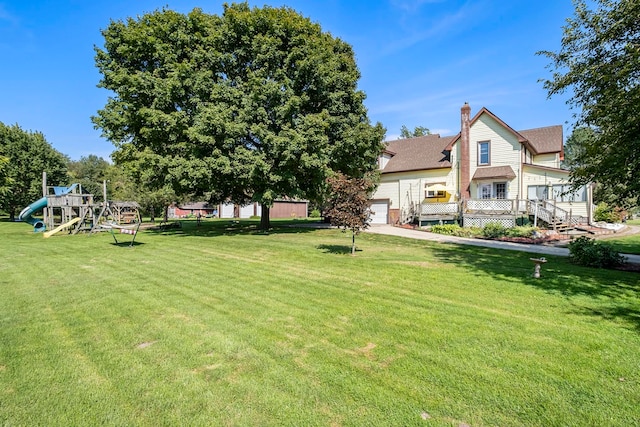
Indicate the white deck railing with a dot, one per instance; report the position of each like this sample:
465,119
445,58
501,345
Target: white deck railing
439,209
545,210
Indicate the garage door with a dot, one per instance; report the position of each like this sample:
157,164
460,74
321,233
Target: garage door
226,210
379,212
246,211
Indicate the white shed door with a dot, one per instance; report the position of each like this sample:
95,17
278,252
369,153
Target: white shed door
246,211
226,210
379,212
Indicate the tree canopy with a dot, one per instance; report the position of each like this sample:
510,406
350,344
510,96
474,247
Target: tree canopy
5,179
90,172
253,105
599,64
574,147
417,131
28,154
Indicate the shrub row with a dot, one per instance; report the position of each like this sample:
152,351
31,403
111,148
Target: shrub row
492,230
456,230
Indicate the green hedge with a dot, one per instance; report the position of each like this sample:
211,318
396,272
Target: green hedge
588,252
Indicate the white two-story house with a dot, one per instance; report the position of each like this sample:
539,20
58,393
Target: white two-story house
488,172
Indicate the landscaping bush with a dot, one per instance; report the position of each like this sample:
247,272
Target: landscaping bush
521,231
448,229
470,232
606,213
523,220
494,230
315,213
588,252
456,230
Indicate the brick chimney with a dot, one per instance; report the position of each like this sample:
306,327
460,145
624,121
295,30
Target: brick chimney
465,162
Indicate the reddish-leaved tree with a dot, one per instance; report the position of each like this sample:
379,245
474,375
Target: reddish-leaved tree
349,204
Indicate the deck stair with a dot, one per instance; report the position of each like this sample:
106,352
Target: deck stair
556,218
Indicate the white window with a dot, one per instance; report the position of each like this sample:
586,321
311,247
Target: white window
496,190
484,191
563,193
430,194
484,153
537,192
501,190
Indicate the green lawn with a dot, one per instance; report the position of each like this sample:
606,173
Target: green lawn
222,325
626,244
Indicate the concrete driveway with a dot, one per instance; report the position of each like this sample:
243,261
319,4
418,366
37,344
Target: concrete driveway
424,235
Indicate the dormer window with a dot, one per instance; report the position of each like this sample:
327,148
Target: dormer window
484,153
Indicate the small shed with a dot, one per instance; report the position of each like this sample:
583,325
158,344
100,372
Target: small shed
125,212
289,209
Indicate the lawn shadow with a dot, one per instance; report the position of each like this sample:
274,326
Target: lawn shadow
213,228
336,249
126,244
617,293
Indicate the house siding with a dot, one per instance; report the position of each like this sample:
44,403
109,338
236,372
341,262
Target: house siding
535,176
551,160
406,188
575,208
544,177
505,149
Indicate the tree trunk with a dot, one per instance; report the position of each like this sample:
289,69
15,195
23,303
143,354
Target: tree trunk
353,242
265,225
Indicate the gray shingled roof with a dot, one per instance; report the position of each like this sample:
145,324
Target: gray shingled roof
430,152
494,172
423,152
544,140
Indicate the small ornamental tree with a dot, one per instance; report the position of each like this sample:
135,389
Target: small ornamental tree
349,204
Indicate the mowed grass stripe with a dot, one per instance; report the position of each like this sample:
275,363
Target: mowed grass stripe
284,329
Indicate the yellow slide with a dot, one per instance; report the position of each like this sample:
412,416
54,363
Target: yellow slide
60,227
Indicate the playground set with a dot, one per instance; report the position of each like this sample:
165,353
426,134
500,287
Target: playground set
69,208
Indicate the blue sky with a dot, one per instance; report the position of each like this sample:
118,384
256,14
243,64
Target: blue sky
420,60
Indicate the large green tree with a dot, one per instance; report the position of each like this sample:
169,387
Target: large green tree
574,147
252,105
90,172
29,155
575,157
124,184
599,65
5,179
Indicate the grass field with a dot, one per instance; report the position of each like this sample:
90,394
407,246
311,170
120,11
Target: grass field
626,244
223,325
